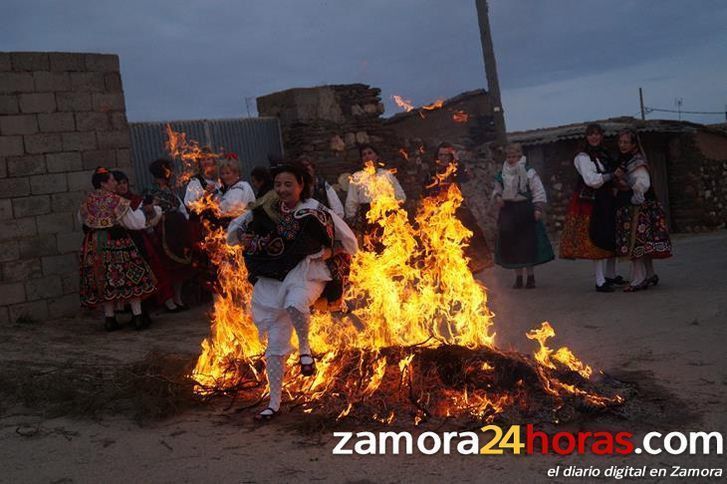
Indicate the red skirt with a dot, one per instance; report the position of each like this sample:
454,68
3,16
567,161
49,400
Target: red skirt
575,240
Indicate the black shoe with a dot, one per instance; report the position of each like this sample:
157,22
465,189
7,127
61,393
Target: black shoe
518,283
616,281
137,321
605,287
266,415
531,283
307,369
111,324
639,287
653,280
147,319
182,307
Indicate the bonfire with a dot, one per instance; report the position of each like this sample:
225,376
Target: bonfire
413,340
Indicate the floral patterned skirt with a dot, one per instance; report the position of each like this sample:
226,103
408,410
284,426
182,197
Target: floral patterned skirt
641,231
112,269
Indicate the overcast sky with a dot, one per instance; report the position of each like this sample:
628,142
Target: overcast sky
559,61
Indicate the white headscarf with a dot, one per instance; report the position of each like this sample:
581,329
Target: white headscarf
514,180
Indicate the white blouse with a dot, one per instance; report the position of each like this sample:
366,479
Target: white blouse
358,193
195,191
236,199
588,172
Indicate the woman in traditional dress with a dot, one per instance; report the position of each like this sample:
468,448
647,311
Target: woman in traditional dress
477,250
204,182
171,234
642,234
199,198
590,225
145,241
112,268
235,194
522,242
295,251
358,198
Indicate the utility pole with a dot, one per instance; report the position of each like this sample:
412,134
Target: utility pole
678,103
493,86
641,100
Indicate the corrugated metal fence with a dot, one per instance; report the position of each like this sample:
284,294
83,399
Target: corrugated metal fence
254,140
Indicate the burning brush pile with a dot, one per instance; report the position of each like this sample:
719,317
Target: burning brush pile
412,342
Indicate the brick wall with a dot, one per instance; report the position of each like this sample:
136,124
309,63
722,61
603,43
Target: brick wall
61,115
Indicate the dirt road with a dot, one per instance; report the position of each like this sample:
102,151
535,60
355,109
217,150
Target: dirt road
675,333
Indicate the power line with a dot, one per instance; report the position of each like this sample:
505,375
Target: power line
651,110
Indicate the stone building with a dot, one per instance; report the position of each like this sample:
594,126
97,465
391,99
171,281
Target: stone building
466,120
688,163
61,115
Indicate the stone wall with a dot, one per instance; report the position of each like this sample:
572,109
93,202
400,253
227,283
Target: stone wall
61,115
697,173
328,123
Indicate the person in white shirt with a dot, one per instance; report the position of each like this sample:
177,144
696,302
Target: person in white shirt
519,195
234,194
590,225
322,190
359,198
296,250
204,182
112,268
642,234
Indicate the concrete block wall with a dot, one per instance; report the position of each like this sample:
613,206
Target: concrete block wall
61,116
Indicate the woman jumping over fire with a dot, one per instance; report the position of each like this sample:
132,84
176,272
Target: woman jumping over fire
296,250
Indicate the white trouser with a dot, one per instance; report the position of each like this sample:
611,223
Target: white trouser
272,298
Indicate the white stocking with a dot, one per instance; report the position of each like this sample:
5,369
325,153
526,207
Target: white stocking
611,268
108,309
135,306
275,369
638,271
301,323
649,264
178,293
599,266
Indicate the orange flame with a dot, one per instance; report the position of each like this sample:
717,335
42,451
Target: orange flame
435,105
460,116
563,355
416,291
405,104
188,153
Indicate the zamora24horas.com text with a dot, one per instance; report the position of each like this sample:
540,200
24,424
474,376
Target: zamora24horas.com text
516,439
